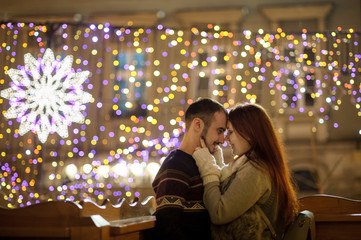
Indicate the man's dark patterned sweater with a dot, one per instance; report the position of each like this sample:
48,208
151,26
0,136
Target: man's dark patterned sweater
179,194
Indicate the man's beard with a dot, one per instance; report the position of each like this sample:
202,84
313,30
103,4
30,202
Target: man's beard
211,147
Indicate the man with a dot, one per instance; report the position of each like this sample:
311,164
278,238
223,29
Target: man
178,186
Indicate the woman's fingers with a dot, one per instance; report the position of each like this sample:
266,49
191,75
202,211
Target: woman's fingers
203,144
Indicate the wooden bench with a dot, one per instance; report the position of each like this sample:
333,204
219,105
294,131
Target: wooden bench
131,221
50,220
335,217
87,220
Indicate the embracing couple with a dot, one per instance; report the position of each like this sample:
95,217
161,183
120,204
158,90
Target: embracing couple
200,197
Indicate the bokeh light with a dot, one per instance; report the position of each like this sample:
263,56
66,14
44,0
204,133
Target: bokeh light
142,79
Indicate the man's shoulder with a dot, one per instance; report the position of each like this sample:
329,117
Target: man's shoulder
178,163
178,159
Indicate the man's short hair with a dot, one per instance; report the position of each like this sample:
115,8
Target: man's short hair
203,108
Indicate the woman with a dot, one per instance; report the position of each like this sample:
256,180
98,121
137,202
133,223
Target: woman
254,192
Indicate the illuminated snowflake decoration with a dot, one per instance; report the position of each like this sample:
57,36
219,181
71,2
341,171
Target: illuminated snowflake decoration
46,95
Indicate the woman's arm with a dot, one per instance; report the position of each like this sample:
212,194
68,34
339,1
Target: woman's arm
249,186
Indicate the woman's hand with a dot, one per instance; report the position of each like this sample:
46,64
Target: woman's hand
202,144
218,155
218,152
206,163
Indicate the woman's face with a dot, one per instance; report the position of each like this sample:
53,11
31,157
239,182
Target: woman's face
239,145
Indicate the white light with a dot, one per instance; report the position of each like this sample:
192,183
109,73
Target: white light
71,171
46,95
215,92
87,168
95,39
137,169
121,169
103,171
153,169
128,105
195,63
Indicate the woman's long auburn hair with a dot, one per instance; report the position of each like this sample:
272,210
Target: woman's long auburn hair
252,122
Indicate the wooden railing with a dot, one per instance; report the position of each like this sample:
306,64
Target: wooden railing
335,217
87,220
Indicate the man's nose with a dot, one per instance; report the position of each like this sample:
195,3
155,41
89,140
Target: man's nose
221,138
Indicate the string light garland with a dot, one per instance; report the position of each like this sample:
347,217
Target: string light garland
141,80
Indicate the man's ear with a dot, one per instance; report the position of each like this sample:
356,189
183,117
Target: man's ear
198,124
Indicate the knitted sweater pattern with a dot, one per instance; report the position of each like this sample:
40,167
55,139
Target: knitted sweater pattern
179,192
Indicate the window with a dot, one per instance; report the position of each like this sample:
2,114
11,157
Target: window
129,87
298,89
290,92
203,86
290,55
210,73
300,83
309,89
309,54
